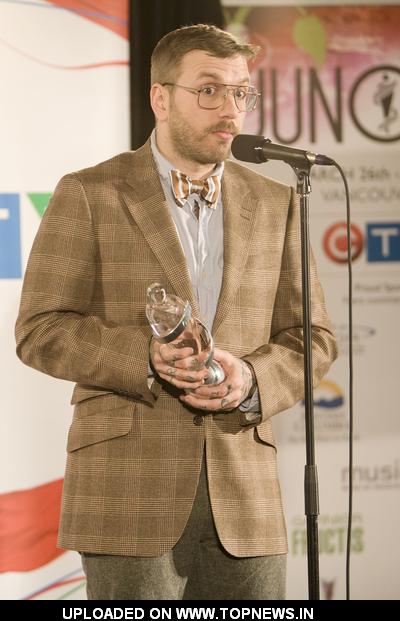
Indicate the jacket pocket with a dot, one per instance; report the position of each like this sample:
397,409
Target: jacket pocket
104,424
263,433
81,393
104,402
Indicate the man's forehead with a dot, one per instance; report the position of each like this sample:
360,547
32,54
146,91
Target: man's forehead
201,64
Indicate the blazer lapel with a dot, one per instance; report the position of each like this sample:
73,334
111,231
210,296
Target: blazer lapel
240,209
146,202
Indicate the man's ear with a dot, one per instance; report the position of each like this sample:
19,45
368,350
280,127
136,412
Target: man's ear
159,101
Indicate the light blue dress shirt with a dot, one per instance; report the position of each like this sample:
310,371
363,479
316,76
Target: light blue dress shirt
202,241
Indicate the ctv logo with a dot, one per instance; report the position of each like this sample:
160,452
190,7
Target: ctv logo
381,240
10,239
10,230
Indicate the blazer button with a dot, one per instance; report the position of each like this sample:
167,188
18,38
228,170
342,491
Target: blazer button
198,420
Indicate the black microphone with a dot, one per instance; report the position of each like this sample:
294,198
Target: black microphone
258,149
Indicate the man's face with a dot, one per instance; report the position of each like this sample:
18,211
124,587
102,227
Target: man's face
204,136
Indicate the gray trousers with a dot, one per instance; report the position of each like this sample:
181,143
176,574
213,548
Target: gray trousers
197,568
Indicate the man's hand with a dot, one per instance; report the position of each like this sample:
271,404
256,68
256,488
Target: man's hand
177,365
230,393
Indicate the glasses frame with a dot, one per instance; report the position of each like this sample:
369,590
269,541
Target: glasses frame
228,88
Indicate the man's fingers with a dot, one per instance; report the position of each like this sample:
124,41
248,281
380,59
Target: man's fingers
193,363
169,353
213,391
210,405
183,358
176,368
182,382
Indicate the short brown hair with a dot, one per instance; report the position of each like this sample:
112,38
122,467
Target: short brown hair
169,51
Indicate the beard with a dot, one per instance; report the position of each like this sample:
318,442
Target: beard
192,144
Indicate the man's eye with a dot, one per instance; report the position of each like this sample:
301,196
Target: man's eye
240,93
209,90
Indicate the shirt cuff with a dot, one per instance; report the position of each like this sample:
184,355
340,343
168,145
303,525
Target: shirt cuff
252,404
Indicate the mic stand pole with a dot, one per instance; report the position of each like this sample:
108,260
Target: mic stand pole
310,474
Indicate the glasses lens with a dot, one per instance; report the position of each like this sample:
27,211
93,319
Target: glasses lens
212,96
249,102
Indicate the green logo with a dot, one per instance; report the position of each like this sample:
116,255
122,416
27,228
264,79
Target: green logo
40,200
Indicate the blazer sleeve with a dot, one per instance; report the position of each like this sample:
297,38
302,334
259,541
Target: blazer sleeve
56,332
279,365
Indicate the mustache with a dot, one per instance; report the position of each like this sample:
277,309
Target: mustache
224,127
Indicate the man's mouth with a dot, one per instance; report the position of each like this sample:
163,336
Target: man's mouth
226,133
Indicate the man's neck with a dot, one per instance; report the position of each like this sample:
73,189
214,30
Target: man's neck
194,170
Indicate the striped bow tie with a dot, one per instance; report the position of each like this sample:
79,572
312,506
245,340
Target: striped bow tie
183,186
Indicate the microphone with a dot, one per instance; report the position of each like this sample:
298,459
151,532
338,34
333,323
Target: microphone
258,149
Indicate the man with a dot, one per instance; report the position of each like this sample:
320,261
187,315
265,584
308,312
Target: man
171,488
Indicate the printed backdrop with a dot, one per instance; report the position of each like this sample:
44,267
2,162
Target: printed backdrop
330,79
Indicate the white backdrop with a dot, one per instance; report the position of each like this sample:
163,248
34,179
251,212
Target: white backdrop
56,116
65,106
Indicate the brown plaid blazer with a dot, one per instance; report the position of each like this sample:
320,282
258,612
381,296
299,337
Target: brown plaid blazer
134,455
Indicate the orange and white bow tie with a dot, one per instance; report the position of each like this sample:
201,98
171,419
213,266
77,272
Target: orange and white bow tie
183,186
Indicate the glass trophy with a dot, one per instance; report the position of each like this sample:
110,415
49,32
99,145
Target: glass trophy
170,319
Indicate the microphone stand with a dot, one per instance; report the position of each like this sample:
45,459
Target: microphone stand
258,149
311,498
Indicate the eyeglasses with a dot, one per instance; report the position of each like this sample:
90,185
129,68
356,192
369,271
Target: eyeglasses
213,96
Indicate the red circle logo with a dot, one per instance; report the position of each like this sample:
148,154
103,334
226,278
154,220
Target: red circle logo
335,242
